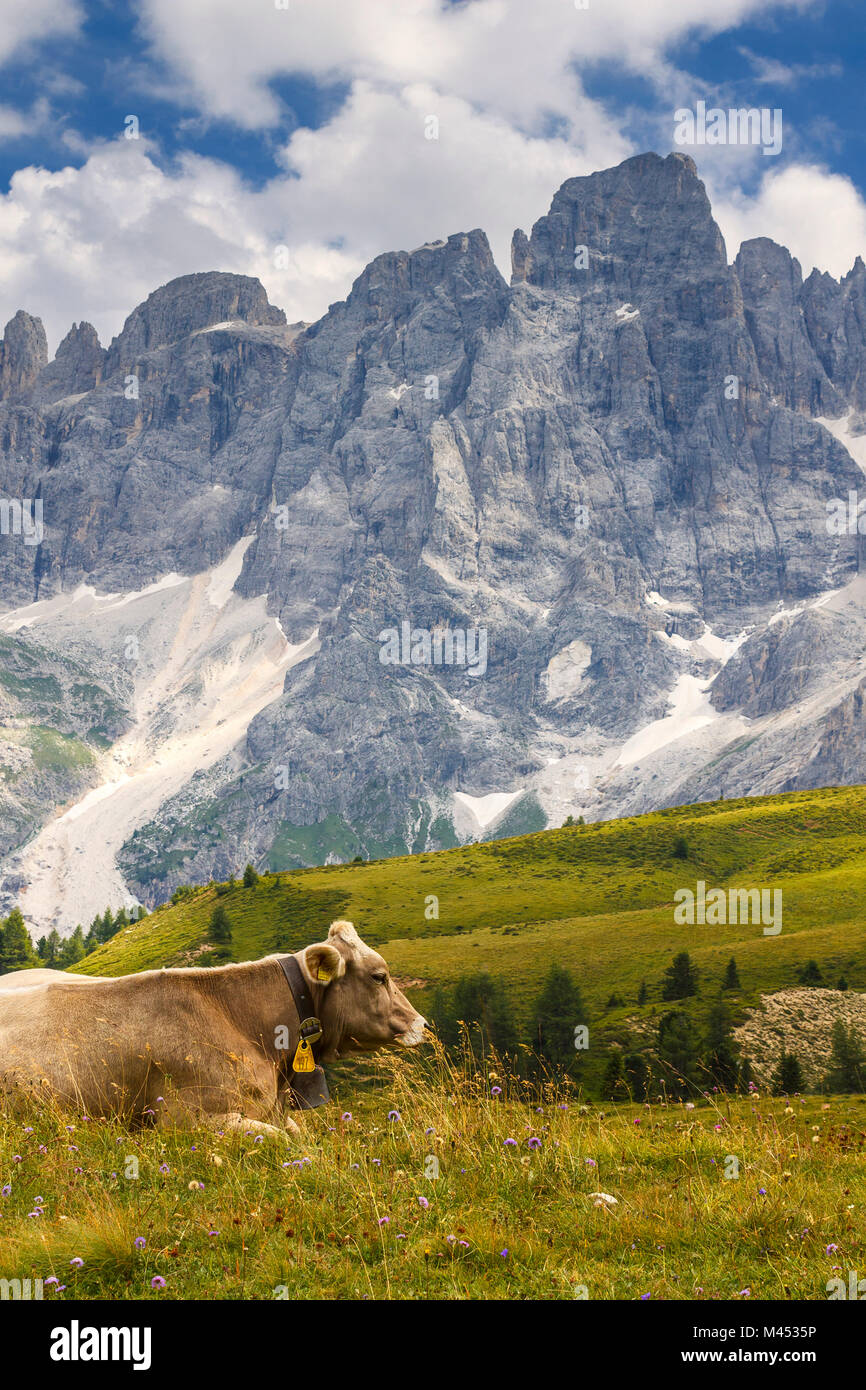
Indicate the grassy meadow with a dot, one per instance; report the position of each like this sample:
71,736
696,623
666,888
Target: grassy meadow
441,1178
348,1211
597,900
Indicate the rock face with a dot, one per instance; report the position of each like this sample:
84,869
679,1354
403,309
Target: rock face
77,367
186,306
618,468
23,354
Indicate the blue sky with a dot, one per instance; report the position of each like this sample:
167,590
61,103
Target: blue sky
301,128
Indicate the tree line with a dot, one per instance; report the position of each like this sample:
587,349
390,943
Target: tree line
675,1057
53,952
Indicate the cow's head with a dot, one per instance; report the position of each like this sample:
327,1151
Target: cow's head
359,1005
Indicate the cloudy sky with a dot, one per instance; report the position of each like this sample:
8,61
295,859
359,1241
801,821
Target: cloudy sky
142,142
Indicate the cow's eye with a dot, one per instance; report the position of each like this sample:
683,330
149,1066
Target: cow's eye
381,977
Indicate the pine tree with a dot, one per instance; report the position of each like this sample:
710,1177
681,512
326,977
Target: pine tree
613,1086
557,1011
503,1027
679,1046
443,1017
251,878
482,1004
643,993
16,948
843,983
220,929
848,1071
73,950
637,1075
720,1052
732,977
49,948
810,974
680,979
788,1078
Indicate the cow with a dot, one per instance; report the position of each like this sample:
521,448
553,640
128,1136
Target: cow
203,1045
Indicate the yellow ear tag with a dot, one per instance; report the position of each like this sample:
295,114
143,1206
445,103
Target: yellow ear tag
325,975
304,1059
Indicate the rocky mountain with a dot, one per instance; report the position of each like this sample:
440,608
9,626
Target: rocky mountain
459,559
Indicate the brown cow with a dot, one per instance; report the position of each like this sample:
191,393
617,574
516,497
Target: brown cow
212,1045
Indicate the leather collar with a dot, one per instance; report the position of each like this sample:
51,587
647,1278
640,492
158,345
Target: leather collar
310,1027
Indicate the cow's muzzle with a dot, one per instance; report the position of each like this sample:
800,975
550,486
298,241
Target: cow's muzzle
414,1034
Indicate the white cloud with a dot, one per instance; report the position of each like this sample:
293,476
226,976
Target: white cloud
771,71
372,173
501,76
14,123
514,59
34,21
819,216
93,242
90,243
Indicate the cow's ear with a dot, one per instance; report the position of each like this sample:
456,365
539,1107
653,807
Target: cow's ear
345,931
323,963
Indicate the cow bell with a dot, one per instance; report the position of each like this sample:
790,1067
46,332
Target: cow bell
310,1089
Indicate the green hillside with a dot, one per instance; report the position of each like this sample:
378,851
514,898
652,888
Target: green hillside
597,899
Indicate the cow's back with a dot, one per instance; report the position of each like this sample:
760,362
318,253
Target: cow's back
30,979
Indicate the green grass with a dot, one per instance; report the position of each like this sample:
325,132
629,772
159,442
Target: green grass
338,1213
52,749
598,899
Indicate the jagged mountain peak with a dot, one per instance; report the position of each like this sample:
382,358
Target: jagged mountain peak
611,467
461,264
23,353
80,335
77,367
189,303
636,220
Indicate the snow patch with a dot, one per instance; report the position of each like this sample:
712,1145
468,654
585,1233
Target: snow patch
487,809
841,430
211,663
218,327
225,575
690,709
